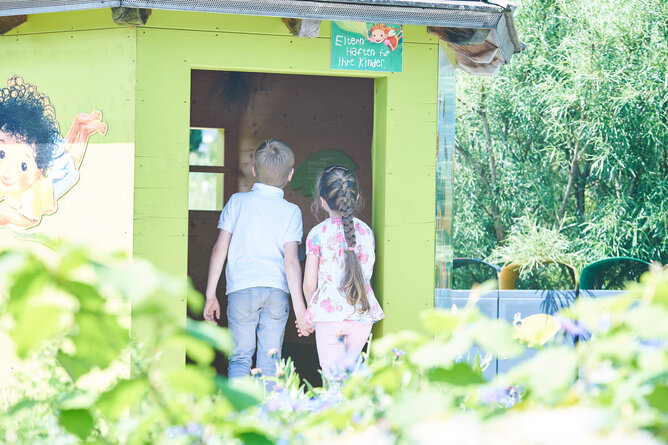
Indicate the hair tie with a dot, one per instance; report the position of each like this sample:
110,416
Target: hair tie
351,248
335,167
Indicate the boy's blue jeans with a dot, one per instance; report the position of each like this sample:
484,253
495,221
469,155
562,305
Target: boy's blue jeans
261,311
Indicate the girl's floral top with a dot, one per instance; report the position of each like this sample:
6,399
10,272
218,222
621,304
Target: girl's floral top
328,243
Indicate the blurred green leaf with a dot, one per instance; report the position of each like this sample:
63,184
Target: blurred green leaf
648,321
411,406
192,379
199,351
77,400
215,336
34,324
74,366
254,438
442,353
23,404
548,374
100,338
88,296
77,421
195,300
657,284
620,346
137,281
124,395
460,374
28,282
404,340
441,321
659,398
496,336
141,434
241,396
71,259
388,378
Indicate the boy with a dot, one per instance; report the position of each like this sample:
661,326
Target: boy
259,235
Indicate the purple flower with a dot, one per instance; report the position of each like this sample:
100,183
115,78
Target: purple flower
506,397
574,327
398,352
195,429
653,344
280,400
327,399
175,431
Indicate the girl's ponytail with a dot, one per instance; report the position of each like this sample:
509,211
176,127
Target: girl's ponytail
353,281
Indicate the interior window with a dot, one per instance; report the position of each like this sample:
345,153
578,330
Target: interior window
207,169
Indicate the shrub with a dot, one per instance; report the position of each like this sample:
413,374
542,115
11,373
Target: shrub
83,378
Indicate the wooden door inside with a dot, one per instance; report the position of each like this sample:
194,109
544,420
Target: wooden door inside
313,115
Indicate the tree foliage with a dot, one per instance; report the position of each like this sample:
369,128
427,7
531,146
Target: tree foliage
573,132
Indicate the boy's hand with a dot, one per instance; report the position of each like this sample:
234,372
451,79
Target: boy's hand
211,310
303,330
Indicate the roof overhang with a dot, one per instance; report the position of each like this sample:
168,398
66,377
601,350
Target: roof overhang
482,33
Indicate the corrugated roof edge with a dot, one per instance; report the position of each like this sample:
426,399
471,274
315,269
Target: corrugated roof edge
425,12
22,7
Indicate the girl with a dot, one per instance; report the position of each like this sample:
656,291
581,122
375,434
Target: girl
339,263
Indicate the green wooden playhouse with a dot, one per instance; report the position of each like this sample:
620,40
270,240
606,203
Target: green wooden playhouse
153,75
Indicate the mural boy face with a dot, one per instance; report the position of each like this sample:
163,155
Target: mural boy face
18,170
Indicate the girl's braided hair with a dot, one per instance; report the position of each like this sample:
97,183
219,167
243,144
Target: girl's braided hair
339,188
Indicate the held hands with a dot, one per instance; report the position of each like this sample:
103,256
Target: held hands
303,330
212,310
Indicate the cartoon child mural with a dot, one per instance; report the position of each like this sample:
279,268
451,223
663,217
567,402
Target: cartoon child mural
37,166
380,33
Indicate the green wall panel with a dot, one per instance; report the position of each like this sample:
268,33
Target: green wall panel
67,21
153,168
195,21
408,275
78,71
411,201
379,171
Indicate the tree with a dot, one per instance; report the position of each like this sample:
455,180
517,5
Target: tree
574,131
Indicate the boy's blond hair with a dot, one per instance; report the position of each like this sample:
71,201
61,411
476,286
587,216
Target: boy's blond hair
273,162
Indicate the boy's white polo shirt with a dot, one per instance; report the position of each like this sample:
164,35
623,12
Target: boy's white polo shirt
261,222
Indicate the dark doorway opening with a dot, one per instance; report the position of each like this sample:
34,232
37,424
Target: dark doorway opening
233,112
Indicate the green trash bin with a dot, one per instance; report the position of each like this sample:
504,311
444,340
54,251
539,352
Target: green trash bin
612,273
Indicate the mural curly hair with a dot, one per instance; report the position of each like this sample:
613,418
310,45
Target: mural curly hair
30,117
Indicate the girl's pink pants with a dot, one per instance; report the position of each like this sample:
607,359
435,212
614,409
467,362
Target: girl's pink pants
339,344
